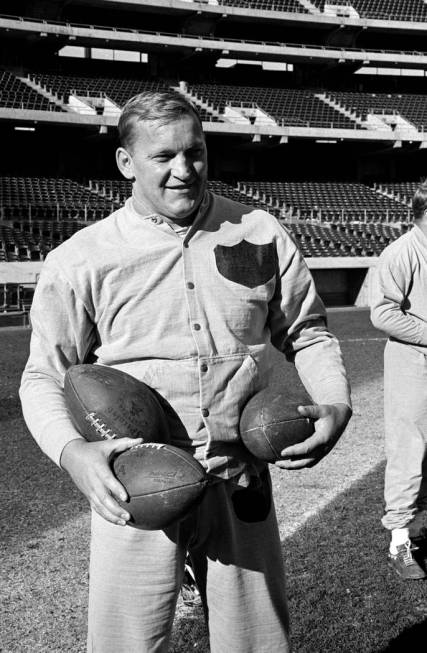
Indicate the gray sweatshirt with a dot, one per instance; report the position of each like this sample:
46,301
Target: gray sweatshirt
195,317
399,305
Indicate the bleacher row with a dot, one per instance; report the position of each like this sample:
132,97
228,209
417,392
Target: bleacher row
290,107
326,219
268,5
413,107
396,10
285,106
15,94
413,10
344,239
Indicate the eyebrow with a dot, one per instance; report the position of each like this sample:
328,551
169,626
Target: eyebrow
162,153
166,152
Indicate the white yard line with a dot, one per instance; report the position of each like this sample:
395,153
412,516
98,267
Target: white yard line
362,339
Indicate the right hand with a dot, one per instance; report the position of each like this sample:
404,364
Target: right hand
88,464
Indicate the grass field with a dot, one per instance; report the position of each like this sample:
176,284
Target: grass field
343,598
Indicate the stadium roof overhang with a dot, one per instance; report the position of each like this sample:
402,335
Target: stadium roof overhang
101,36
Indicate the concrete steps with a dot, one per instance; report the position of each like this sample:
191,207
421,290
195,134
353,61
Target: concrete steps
43,91
342,110
311,8
183,89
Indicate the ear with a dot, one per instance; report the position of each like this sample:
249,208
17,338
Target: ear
125,163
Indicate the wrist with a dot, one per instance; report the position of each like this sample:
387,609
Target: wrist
69,451
344,409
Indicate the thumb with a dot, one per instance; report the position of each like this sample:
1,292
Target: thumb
313,411
122,444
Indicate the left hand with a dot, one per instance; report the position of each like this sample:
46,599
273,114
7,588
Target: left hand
330,422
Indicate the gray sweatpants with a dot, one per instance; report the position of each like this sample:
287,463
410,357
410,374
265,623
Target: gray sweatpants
405,416
135,577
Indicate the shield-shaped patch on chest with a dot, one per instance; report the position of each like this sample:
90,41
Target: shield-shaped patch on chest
245,263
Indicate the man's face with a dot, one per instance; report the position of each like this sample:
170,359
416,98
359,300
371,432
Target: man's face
169,164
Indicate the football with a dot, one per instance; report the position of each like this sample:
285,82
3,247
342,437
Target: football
163,484
105,403
270,421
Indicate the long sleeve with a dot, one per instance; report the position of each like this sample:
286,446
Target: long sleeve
390,310
62,334
99,296
299,329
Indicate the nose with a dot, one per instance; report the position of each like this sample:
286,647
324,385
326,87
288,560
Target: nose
182,167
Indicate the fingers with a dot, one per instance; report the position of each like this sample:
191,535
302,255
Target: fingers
314,448
296,463
89,466
109,509
110,491
330,421
105,496
304,454
315,443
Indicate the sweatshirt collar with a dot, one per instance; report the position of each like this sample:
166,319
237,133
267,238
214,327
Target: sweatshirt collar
137,208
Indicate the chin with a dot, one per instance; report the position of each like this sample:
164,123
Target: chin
183,210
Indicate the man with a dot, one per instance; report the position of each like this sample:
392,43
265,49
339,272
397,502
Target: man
189,292
399,308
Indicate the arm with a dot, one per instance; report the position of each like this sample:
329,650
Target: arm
391,286
62,335
299,329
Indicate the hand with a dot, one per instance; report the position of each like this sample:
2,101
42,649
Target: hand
88,464
330,422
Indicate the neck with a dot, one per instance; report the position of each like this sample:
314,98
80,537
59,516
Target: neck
143,210
184,222
422,224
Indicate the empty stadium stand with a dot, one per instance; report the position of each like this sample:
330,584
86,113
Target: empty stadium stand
31,241
54,198
413,108
17,95
327,202
401,191
269,5
320,147
408,10
285,106
326,219
225,102
118,90
117,190
343,239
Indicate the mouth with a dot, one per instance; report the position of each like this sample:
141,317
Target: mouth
181,189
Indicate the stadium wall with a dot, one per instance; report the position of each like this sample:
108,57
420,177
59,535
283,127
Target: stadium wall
340,281
344,281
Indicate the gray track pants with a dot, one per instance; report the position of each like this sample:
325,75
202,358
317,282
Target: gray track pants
135,578
405,416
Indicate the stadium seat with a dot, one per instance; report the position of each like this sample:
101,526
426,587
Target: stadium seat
17,95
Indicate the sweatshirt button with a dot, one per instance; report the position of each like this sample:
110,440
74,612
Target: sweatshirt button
196,327
205,412
204,367
190,285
